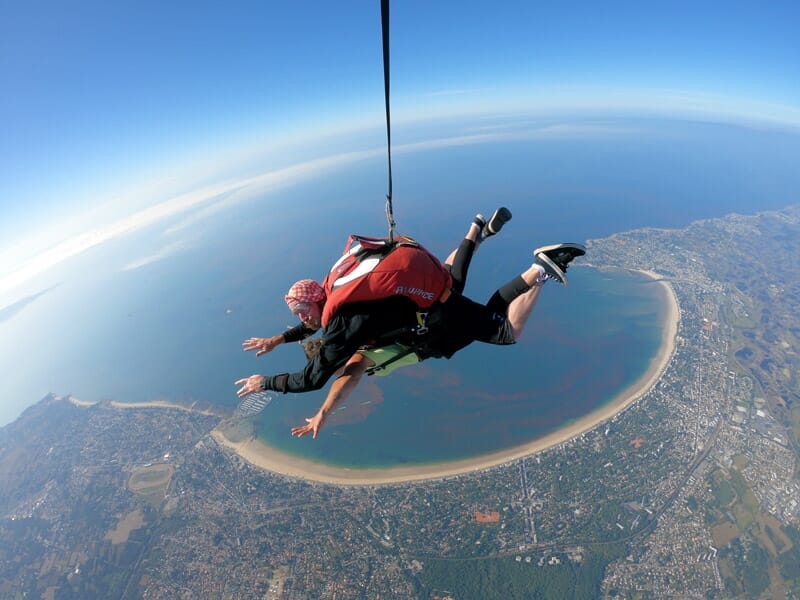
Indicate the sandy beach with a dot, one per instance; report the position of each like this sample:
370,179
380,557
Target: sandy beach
149,404
76,401
164,404
266,457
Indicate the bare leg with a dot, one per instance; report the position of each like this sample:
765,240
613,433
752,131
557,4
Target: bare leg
520,308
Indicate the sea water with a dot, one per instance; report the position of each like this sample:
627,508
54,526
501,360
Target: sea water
583,346
110,326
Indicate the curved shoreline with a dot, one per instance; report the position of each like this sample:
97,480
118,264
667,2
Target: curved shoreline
266,457
148,404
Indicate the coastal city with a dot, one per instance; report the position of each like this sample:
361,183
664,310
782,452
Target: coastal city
690,491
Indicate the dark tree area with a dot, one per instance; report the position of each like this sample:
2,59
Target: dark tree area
501,578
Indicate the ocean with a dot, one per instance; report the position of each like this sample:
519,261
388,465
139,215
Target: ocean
172,329
582,346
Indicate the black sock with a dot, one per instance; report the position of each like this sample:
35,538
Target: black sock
506,294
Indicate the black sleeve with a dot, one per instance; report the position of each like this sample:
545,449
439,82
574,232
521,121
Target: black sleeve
355,325
340,342
297,333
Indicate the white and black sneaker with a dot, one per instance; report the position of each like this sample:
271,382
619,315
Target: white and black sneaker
493,226
555,259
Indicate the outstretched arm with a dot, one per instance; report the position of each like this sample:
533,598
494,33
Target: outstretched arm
342,387
264,345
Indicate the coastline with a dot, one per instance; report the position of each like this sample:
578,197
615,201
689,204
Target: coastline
148,404
75,401
165,404
266,457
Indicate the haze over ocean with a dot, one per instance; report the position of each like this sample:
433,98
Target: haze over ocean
170,326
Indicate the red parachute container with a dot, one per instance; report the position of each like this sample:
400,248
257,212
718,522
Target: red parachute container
376,268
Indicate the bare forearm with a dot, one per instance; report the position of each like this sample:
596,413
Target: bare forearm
341,389
344,385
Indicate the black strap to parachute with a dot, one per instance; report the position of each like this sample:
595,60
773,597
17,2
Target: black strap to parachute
385,23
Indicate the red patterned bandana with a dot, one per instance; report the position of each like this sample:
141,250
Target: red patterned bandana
305,290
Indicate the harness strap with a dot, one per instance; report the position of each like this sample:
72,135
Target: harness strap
410,333
385,24
385,365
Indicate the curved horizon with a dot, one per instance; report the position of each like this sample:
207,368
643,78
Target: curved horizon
99,126
26,258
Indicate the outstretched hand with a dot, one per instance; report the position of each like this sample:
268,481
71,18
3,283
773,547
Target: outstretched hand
254,383
312,426
262,345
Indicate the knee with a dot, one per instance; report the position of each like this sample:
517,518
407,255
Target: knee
509,334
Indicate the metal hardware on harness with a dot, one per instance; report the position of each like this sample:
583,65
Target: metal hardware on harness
422,326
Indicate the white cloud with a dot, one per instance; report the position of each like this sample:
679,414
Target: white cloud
163,253
19,264
77,244
550,131
212,199
272,181
18,270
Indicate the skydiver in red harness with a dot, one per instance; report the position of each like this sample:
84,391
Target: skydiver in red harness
455,321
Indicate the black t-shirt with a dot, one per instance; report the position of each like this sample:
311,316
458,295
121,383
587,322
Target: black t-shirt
354,326
458,322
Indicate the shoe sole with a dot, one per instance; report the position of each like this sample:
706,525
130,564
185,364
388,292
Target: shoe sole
500,217
572,245
556,273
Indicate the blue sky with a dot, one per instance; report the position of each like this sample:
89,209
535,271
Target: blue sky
110,106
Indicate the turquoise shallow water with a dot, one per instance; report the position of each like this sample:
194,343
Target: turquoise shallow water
583,345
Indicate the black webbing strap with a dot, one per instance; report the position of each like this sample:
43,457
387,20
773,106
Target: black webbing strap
390,362
385,23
